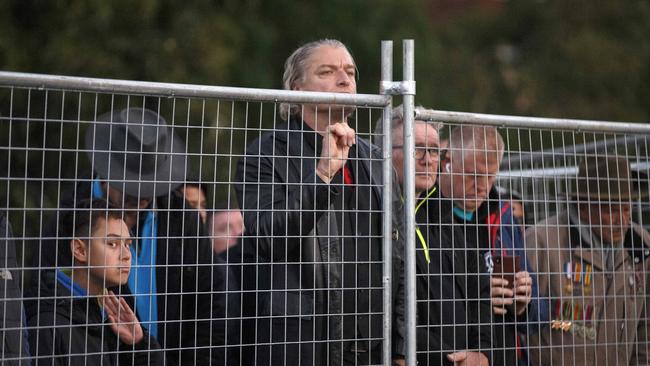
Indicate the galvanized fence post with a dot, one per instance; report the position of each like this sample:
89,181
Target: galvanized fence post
387,77
409,200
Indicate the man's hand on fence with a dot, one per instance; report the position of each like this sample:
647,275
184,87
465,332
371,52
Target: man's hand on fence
504,297
467,358
337,141
124,323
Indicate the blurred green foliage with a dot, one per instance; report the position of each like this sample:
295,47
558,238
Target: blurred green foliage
551,58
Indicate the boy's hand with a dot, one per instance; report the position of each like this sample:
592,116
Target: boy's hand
123,321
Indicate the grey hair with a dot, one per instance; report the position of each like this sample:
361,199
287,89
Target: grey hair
397,121
485,139
295,66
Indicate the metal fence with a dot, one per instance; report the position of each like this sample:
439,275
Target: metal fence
203,209
570,199
203,287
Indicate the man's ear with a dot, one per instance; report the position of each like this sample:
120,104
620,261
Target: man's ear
445,163
79,250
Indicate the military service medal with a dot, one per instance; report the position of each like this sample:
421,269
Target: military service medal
572,317
568,287
586,284
578,273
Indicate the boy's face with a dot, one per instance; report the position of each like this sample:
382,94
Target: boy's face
109,257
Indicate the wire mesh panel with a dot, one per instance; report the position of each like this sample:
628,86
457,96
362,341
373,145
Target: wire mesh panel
189,230
313,235
587,243
536,244
144,223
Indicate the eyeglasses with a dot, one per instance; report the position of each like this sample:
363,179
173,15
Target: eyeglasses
421,151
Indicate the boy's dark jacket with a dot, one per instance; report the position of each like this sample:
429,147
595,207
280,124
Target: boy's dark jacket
71,331
190,282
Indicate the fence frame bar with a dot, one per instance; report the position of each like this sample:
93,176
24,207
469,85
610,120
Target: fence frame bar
576,125
172,90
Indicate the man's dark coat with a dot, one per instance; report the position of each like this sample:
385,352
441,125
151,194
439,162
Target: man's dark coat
294,236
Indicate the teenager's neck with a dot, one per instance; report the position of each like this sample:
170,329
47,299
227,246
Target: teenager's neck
81,277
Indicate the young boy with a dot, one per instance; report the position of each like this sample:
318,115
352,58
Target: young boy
77,321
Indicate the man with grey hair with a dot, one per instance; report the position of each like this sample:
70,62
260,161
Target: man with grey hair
311,197
469,199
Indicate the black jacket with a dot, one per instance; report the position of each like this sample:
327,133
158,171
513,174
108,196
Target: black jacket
294,234
190,281
71,331
508,236
14,338
453,300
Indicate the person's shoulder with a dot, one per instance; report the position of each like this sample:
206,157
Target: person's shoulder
548,228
